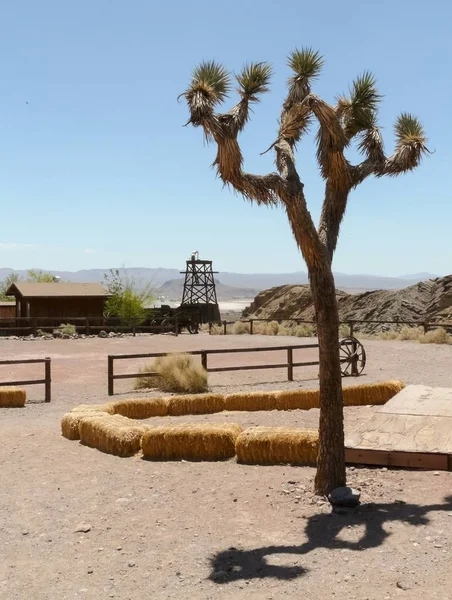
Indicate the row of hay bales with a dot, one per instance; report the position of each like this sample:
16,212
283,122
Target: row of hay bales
111,427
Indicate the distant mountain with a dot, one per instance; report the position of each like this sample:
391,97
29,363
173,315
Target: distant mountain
172,290
252,282
419,276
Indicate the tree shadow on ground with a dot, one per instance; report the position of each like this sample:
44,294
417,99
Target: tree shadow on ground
322,532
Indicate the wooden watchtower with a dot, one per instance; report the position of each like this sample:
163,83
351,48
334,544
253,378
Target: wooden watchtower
199,289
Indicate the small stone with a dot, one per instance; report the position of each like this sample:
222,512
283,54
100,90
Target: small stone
219,575
119,548
83,528
438,545
437,473
131,563
103,334
404,585
90,571
25,532
345,496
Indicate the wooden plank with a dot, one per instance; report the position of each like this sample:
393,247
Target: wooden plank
418,460
420,400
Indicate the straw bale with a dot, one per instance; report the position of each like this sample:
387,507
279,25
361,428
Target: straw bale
371,393
251,401
12,397
276,445
105,408
191,442
195,404
297,399
71,421
141,408
113,434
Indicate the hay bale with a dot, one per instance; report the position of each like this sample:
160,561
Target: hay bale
71,421
276,445
191,442
104,408
251,401
112,434
371,393
12,397
297,399
141,408
196,404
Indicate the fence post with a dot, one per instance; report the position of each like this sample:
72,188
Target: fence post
34,325
176,326
48,380
110,376
350,327
224,327
134,330
87,325
204,359
354,359
210,328
289,364
425,326
251,326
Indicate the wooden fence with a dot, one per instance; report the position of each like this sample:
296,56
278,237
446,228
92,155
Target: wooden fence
47,381
350,323
289,365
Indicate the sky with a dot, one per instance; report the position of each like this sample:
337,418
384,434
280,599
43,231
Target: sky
97,169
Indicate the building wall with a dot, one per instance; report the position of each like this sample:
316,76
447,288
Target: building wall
65,307
7,310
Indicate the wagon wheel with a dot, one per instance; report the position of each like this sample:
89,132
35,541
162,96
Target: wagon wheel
154,324
193,327
351,351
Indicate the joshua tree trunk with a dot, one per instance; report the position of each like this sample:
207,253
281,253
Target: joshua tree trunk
331,460
353,118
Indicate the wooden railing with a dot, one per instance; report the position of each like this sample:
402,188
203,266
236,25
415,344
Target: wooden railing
350,323
289,364
47,381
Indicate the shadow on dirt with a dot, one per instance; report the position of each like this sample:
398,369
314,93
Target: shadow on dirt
322,532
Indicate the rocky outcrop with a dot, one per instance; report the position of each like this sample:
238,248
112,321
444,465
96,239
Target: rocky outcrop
427,301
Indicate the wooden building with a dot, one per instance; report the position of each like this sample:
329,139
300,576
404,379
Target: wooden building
58,300
7,310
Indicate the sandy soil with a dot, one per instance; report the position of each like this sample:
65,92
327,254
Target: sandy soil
209,530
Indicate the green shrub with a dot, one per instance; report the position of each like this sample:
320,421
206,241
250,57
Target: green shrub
67,329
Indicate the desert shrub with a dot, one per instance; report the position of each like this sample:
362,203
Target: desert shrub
388,335
285,330
67,329
150,381
304,330
180,373
344,331
273,328
40,333
411,333
239,328
436,336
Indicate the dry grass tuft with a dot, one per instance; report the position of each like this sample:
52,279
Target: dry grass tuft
202,404
151,381
112,434
239,328
71,421
12,397
251,401
181,373
436,336
411,333
141,408
191,442
276,445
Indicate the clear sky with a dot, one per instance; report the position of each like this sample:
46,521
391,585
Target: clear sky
97,170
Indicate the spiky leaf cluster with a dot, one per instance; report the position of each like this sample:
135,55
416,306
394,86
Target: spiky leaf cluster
254,79
359,111
212,80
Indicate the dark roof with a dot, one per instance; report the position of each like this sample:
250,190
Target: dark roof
56,290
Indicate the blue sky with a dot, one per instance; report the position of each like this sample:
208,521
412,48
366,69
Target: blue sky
97,170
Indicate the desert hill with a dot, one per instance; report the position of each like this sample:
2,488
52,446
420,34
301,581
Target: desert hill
426,301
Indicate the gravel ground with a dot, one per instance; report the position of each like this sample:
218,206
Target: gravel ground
209,530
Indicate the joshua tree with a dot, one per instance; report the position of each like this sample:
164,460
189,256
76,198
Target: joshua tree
352,119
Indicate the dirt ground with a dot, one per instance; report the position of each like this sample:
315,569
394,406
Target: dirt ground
209,530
